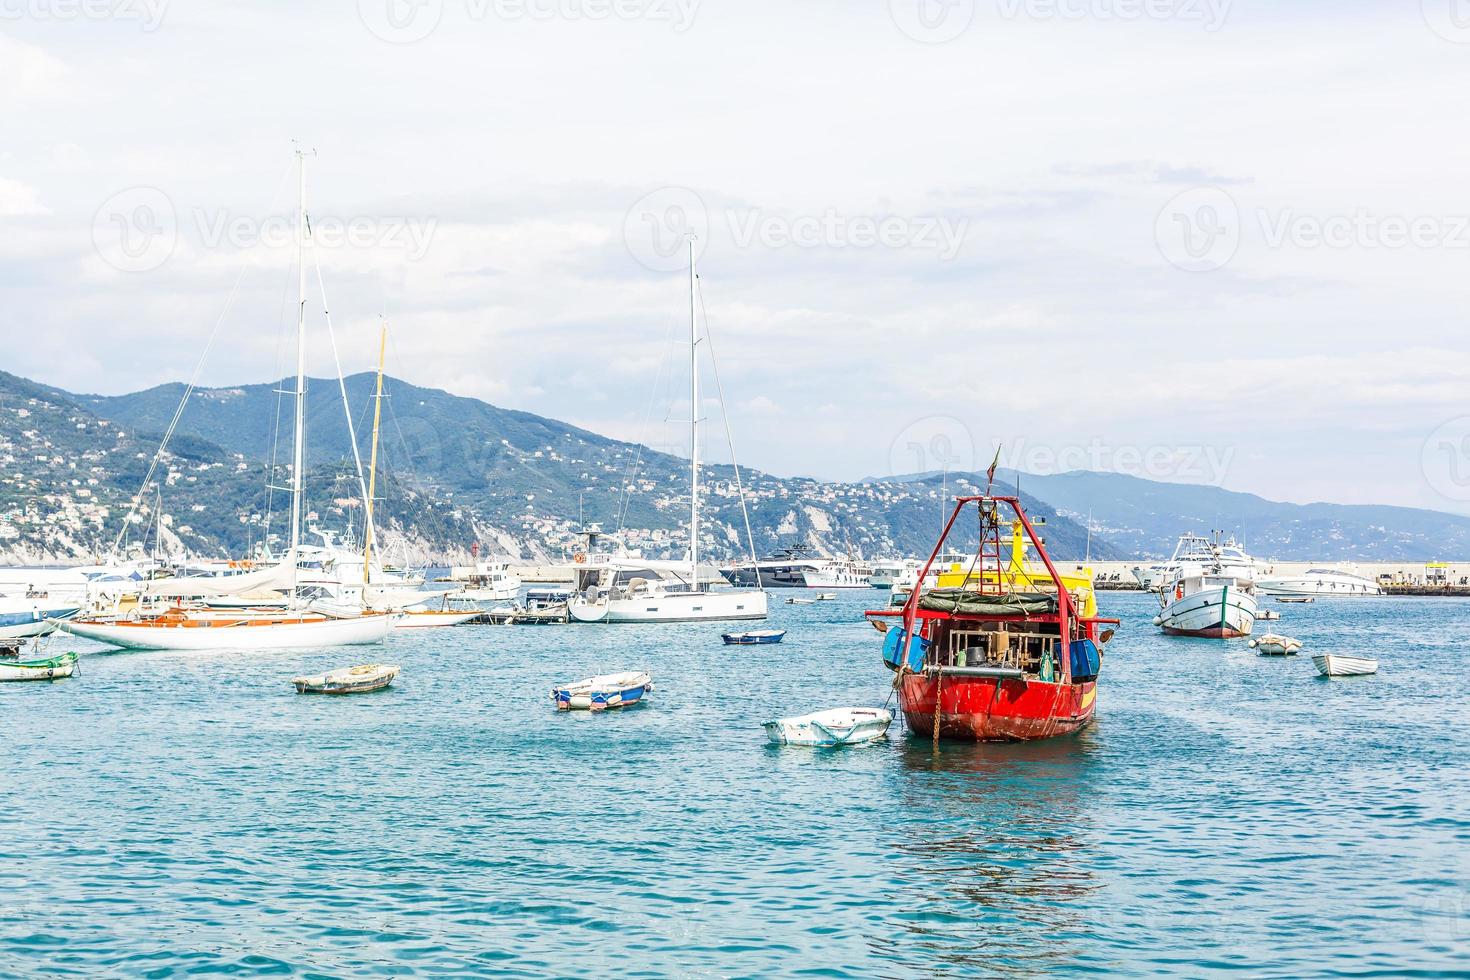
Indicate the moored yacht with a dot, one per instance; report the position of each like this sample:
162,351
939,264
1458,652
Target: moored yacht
1319,581
846,574
1192,554
783,569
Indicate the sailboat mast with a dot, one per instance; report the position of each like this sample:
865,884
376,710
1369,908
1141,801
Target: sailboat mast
367,548
299,460
693,431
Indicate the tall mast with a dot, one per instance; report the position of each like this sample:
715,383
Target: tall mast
299,461
693,430
367,548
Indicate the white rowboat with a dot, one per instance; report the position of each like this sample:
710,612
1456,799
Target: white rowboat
348,680
1336,665
416,619
837,726
38,670
1274,645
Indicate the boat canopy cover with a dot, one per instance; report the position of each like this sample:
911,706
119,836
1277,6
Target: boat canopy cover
970,603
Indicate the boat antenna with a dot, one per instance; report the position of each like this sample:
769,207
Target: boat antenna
299,449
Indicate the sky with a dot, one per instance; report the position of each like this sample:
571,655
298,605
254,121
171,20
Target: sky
1195,240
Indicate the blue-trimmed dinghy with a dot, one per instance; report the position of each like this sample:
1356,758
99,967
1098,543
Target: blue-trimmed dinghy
603,692
754,638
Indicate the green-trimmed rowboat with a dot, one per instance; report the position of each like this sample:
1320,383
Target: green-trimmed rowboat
38,670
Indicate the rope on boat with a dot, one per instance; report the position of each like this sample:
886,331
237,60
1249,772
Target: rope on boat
938,690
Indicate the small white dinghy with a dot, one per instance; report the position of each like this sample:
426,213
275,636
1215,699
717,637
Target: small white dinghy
826,596
837,726
1267,614
430,618
348,680
1336,665
603,692
801,602
1273,645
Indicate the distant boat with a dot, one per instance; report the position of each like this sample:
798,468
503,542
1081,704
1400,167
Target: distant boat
1274,645
32,614
754,638
421,618
603,692
1336,665
1266,615
829,729
801,602
826,596
38,670
1319,581
348,680
1191,554
1294,598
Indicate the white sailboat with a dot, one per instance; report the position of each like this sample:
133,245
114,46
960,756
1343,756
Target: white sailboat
249,630
619,594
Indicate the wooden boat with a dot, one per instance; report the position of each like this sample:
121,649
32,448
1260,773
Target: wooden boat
828,729
990,661
425,618
603,692
1267,615
348,680
754,638
1336,665
183,629
1275,645
38,670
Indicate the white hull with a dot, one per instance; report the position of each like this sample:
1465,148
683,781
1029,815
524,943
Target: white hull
276,636
427,620
839,726
1221,611
1333,665
671,607
836,578
21,618
1319,585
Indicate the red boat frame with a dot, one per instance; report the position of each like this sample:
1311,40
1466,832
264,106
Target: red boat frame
995,708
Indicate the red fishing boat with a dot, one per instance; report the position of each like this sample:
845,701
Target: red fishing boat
1008,653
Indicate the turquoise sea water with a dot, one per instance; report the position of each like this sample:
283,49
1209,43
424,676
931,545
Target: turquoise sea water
175,814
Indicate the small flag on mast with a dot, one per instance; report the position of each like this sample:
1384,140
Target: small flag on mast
990,473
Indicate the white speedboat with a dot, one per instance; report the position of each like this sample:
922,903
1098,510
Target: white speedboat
603,692
1336,665
33,614
1319,582
621,592
1275,645
829,729
783,569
